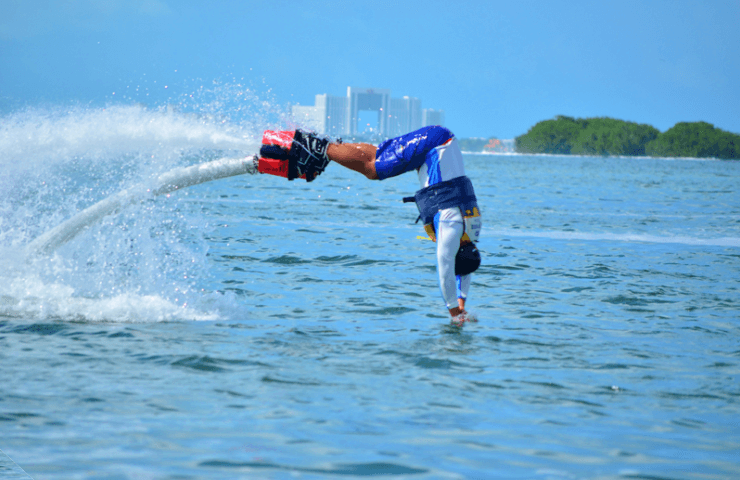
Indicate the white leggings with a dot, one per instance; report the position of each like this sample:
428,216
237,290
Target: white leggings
449,227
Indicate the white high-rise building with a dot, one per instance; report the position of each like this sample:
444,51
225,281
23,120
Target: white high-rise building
404,116
335,114
328,115
385,116
368,100
433,117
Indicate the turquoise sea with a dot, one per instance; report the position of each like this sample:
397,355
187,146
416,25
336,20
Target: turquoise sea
257,328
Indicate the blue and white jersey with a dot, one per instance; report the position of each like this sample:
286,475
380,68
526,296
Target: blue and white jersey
443,163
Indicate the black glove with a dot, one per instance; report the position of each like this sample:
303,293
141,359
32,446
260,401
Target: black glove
307,156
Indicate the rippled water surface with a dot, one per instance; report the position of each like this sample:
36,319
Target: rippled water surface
259,328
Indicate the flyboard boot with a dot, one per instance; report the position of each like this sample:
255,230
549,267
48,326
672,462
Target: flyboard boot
293,154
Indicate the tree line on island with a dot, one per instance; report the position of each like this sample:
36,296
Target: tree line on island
612,137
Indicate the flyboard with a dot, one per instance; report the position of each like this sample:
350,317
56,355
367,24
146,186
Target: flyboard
278,156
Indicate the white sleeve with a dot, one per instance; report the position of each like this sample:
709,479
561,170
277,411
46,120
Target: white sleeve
449,231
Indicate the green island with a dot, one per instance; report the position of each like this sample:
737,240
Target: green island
612,137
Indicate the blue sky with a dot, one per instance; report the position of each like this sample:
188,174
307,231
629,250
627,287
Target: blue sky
496,68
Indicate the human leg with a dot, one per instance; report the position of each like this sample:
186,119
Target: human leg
463,285
359,157
449,229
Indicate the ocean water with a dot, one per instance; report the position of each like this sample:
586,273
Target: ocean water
257,328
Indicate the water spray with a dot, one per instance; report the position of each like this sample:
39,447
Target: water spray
277,157
166,183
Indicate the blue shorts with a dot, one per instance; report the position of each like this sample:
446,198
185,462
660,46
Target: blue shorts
408,152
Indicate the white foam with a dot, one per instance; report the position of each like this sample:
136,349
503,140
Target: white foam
28,297
579,156
615,237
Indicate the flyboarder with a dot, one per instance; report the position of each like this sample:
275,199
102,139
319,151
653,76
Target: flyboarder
446,201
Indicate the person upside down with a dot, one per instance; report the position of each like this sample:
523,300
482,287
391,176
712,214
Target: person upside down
446,201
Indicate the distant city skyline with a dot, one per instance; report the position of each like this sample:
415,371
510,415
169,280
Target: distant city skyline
495,68
365,111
